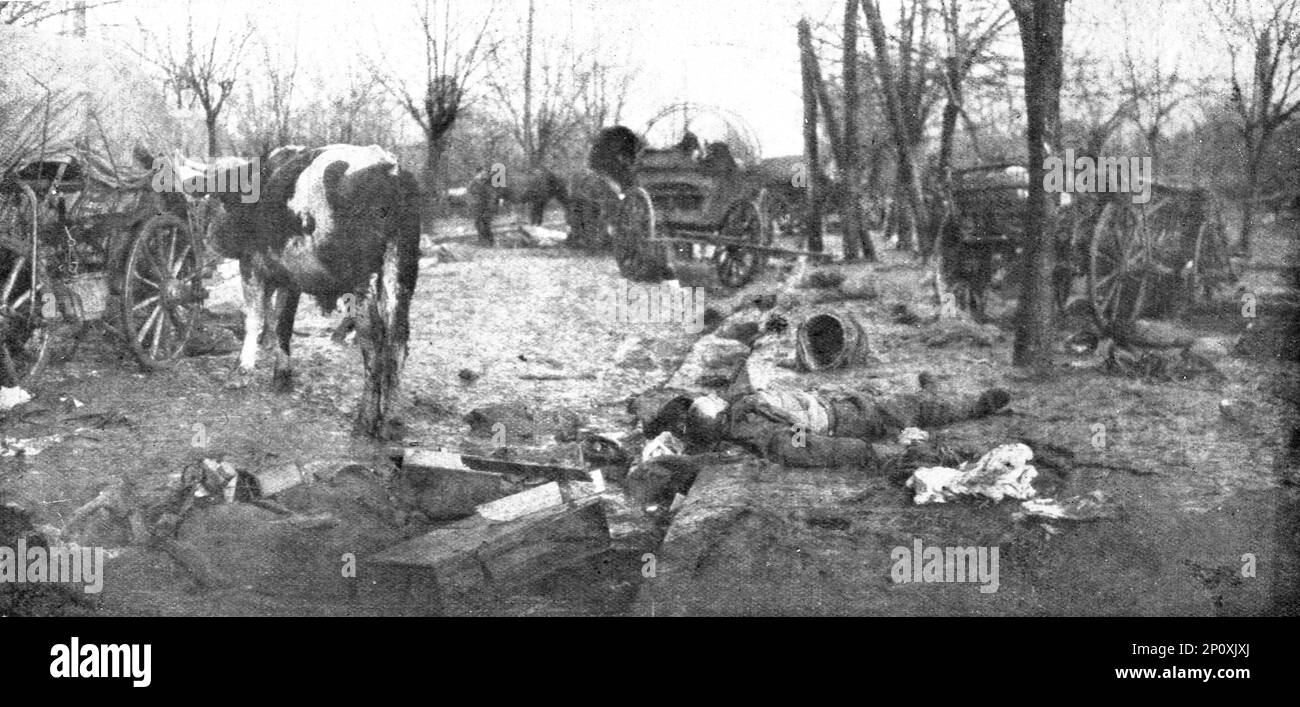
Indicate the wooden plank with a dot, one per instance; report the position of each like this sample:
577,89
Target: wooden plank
523,503
448,488
435,459
476,552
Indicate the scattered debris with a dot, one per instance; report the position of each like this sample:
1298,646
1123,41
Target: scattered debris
1090,506
1004,472
912,435
665,444
611,450
11,397
540,237
467,375
30,447
273,480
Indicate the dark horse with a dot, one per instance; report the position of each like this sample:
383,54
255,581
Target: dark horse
331,221
595,191
495,185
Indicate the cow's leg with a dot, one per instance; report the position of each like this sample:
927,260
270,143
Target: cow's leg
282,378
383,333
255,296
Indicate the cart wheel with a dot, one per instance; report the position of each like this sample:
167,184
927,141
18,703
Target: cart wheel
161,291
737,265
26,319
638,259
1117,275
27,303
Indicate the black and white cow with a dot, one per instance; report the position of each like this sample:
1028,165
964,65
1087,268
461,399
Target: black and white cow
330,221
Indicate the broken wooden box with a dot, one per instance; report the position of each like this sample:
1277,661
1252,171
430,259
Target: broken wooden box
507,545
452,485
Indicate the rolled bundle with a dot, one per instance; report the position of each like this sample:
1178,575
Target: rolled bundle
827,341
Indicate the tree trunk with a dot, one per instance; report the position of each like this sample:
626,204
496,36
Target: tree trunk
435,198
909,184
812,209
838,143
856,236
210,122
530,143
1041,26
1253,157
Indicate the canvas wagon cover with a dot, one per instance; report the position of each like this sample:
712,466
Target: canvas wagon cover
70,97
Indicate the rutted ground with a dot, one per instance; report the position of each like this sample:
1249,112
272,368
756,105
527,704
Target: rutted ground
751,538
521,322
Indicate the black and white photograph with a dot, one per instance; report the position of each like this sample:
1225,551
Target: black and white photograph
651,308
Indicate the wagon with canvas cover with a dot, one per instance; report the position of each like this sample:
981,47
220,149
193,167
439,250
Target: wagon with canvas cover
695,199
84,232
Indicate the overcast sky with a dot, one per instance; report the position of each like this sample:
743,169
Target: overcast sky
737,54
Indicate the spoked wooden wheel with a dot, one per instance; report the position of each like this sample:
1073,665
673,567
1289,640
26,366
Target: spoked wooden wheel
1118,277
26,298
162,291
638,258
26,317
737,265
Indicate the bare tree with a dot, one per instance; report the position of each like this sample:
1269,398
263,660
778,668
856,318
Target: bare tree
551,97
268,110
1042,25
29,13
810,78
451,61
904,86
1270,32
203,70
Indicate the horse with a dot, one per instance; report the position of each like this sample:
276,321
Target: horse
492,186
330,221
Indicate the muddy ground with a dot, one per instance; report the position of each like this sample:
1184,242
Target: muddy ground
517,327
